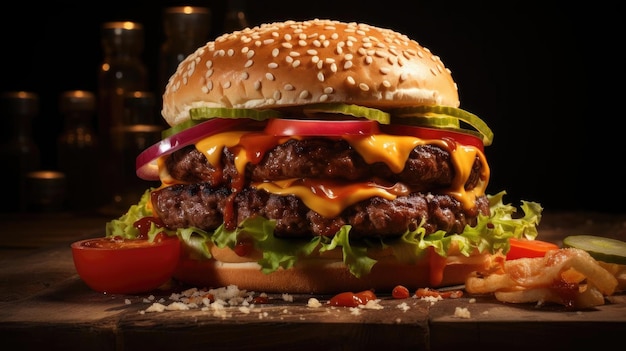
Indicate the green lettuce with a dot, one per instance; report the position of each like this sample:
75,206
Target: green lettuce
490,235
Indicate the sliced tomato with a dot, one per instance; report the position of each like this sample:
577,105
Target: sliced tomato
126,266
433,133
521,248
317,127
146,164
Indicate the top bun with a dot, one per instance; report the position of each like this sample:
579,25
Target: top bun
296,63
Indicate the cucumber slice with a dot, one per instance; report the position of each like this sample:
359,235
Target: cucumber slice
351,110
202,113
601,248
448,111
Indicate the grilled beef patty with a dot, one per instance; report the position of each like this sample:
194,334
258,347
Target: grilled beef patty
216,195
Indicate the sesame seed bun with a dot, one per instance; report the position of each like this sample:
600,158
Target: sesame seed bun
296,63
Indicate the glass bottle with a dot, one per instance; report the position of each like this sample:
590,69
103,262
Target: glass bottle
186,29
77,149
122,70
235,18
138,131
18,151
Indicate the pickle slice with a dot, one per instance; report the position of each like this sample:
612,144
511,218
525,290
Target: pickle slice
178,128
351,110
600,248
450,112
201,113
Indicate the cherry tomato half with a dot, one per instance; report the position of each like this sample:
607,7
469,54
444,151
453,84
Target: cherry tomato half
521,248
315,127
433,133
119,266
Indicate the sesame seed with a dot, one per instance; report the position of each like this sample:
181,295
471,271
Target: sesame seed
367,45
350,80
268,41
257,85
245,49
311,52
364,87
320,64
289,59
277,95
231,52
248,63
302,42
304,94
275,52
294,53
386,84
287,37
258,43
317,43
404,76
295,63
269,76
249,54
333,67
209,73
329,60
209,85
209,64
325,43
288,87
328,90
272,65
368,60
384,70
323,97
287,45
226,85
349,56
347,65
315,59
320,76
334,36
380,53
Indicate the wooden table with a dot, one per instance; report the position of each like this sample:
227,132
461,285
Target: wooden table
45,305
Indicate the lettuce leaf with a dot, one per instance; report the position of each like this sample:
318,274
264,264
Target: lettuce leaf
491,234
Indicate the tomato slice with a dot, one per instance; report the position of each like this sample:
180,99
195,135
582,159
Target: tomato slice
146,165
434,133
521,248
128,266
317,127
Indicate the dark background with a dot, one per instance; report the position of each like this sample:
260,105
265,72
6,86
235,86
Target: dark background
547,76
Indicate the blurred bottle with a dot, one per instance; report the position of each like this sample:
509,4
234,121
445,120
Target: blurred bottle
45,191
137,132
122,70
18,151
186,29
236,17
77,150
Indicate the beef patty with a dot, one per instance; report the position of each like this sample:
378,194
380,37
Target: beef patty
215,195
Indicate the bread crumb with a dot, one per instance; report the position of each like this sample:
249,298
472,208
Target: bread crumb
372,305
313,302
287,297
462,312
404,307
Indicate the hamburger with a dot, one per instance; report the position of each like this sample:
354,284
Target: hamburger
319,157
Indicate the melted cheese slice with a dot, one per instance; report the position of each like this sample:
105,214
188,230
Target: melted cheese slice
329,198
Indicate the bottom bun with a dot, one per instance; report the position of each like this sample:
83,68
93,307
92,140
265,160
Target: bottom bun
328,276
